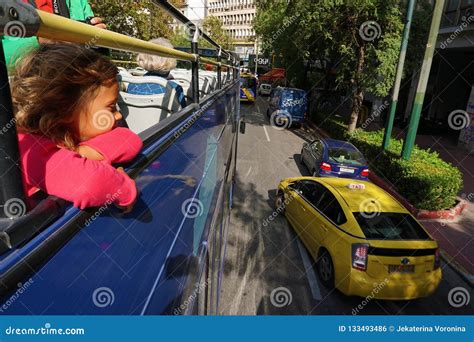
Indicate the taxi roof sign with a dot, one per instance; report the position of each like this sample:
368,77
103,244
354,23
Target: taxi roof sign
356,186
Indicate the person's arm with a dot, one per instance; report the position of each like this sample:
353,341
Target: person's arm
96,21
120,145
84,182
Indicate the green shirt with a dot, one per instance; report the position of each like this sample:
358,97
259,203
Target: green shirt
16,47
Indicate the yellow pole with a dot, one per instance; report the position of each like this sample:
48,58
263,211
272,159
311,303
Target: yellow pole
59,28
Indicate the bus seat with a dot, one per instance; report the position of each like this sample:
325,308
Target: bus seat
184,80
144,111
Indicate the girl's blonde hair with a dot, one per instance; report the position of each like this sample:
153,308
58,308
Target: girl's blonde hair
53,84
157,63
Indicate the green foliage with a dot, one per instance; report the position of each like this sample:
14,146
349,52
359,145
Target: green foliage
426,181
140,19
213,28
332,31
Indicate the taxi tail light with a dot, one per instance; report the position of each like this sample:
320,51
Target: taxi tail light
365,173
325,166
437,259
360,254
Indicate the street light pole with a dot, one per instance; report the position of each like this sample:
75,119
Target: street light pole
423,81
256,56
398,76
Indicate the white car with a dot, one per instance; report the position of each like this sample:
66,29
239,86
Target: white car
265,89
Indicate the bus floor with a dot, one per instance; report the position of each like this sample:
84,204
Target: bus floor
267,270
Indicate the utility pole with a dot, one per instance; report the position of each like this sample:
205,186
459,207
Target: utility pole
422,81
398,76
256,56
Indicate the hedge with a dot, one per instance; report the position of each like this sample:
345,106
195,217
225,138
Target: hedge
426,181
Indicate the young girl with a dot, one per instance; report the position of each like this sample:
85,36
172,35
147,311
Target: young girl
65,99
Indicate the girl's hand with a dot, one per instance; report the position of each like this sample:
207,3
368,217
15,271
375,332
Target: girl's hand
127,209
89,153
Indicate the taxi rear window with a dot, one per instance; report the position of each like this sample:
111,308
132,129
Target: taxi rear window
390,226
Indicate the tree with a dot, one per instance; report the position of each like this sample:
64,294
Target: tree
212,26
140,19
359,38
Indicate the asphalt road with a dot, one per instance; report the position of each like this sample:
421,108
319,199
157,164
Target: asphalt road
267,269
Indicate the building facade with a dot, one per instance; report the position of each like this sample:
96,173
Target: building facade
237,18
449,99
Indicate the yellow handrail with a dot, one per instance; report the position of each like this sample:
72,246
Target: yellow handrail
56,27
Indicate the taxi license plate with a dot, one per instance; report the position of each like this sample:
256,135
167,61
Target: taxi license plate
401,268
345,169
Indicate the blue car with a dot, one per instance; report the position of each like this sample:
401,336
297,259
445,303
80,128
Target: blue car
334,158
287,107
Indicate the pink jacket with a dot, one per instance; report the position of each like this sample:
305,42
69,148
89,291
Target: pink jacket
84,182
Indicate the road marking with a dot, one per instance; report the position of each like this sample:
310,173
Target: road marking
309,271
266,133
248,172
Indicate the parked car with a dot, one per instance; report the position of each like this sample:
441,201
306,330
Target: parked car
264,89
287,106
363,240
334,158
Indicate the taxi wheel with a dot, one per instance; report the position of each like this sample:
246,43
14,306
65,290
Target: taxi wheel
326,269
280,203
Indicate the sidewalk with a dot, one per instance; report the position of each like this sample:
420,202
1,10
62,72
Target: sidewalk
455,237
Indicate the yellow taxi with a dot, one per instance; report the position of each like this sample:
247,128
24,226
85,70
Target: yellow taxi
365,242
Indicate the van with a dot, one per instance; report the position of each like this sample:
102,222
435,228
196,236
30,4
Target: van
287,106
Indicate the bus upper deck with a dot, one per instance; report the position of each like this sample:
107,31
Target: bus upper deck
166,255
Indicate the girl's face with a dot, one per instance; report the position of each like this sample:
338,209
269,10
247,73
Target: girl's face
102,113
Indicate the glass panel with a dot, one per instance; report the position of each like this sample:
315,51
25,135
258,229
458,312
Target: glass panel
391,226
330,207
345,156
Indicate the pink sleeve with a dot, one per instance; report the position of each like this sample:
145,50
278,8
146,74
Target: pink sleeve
117,146
85,182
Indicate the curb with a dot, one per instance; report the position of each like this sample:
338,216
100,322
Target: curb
448,214
457,268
